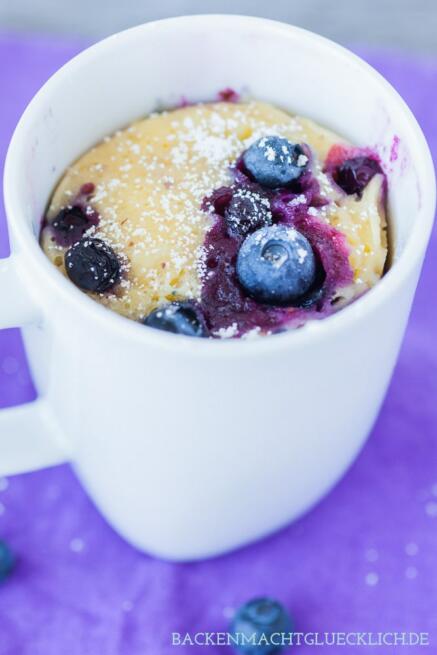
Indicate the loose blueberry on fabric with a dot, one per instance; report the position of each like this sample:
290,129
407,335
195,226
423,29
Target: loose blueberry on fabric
260,620
7,560
274,162
179,318
92,265
246,212
353,175
276,265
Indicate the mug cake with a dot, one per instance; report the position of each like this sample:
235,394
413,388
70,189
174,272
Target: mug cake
222,220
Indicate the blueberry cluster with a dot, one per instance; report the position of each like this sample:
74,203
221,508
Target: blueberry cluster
276,264
90,263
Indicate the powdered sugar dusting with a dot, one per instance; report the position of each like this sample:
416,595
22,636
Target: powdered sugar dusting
147,185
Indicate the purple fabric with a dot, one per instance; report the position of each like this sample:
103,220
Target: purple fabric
363,559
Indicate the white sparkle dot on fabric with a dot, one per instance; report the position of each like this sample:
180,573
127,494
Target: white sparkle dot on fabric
372,579
411,549
411,572
371,554
431,508
77,545
10,365
127,606
4,484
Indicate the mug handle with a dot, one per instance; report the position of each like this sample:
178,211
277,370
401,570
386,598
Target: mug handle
29,436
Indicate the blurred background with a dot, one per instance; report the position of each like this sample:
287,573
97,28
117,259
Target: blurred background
400,24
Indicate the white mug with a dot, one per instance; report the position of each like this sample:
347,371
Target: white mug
193,447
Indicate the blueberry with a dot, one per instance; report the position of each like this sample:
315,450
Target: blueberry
92,265
275,162
7,560
71,223
353,175
179,318
246,212
258,627
276,265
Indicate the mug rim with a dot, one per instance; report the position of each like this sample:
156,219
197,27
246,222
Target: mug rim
311,331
